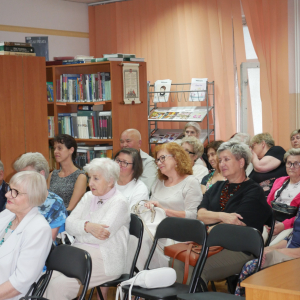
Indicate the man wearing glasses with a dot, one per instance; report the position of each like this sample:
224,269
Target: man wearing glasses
131,138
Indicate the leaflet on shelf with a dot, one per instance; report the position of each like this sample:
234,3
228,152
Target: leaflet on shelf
198,89
161,89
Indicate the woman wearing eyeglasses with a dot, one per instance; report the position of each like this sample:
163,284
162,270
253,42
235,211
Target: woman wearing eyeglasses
131,168
286,190
194,148
25,235
176,191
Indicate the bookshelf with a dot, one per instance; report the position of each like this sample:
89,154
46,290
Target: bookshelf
179,103
123,116
23,109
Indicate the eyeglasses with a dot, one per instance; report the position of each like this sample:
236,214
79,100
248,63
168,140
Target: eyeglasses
123,163
189,152
162,158
14,193
295,164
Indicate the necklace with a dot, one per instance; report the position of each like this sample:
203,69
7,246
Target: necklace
8,227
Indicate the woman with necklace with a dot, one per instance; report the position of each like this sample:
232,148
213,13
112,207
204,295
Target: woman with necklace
286,190
238,200
25,235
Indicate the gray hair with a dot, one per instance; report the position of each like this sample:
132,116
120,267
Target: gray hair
296,131
292,151
33,159
33,184
195,126
1,166
238,149
108,168
198,147
242,137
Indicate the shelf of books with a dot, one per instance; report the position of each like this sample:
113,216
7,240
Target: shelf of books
184,102
86,101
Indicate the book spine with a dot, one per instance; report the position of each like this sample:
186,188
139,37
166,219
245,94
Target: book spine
18,44
17,49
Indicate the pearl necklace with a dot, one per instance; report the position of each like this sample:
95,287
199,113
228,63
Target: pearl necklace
8,227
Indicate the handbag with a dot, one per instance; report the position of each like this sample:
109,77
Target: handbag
189,254
151,218
149,279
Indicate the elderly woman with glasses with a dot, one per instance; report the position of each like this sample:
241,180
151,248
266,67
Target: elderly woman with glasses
195,149
131,168
238,200
286,190
100,224
25,235
176,191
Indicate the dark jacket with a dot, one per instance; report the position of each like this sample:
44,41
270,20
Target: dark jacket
2,196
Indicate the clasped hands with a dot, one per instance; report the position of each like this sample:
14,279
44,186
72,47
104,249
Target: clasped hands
99,231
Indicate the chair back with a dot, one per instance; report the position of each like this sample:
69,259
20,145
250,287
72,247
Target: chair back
72,262
271,223
136,228
181,230
237,238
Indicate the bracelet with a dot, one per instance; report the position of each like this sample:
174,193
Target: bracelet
85,226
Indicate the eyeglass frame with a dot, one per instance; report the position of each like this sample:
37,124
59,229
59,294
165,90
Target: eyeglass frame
189,152
120,162
8,188
293,164
164,158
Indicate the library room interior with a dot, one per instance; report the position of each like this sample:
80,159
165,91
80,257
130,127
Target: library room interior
134,131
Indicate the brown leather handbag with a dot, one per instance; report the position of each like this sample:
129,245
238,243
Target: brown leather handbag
189,254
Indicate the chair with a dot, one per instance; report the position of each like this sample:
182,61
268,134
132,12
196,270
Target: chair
271,223
181,230
136,228
234,238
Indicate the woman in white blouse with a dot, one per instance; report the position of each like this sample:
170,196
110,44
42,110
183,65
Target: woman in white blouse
100,224
176,191
131,168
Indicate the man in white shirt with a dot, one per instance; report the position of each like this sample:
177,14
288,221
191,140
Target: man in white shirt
131,138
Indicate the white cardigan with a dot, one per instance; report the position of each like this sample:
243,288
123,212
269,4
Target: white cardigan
23,255
114,213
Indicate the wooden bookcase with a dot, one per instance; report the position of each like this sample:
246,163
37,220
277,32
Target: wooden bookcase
23,109
123,116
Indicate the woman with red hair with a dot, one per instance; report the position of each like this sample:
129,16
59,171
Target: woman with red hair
176,191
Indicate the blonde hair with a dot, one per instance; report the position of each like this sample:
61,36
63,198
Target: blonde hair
195,125
266,137
296,131
33,184
198,147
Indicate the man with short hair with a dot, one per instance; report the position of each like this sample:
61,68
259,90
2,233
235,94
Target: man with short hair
131,138
53,209
3,185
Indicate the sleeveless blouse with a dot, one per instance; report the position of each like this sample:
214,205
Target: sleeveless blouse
64,186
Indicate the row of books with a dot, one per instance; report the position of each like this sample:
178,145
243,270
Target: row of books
84,87
86,124
192,113
16,48
67,60
85,154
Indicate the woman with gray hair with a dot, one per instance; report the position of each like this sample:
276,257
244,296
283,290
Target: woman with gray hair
238,200
267,160
100,224
25,236
194,148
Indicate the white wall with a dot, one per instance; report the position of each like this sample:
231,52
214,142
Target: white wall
48,14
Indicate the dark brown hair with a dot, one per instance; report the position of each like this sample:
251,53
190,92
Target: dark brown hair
68,141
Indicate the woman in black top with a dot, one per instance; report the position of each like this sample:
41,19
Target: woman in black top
239,200
267,160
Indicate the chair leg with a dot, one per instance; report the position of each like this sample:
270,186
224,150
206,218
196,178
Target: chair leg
232,282
91,293
213,287
99,293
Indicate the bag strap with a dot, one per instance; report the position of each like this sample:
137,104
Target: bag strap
285,184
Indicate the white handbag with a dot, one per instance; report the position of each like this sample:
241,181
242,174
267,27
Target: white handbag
149,279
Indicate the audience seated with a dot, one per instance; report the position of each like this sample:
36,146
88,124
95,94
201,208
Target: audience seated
285,250
239,200
100,224
3,185
267,160
25,236
176,191
295,138
53,209
195,149
286,190
68,182
215,175
131,168
131,138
